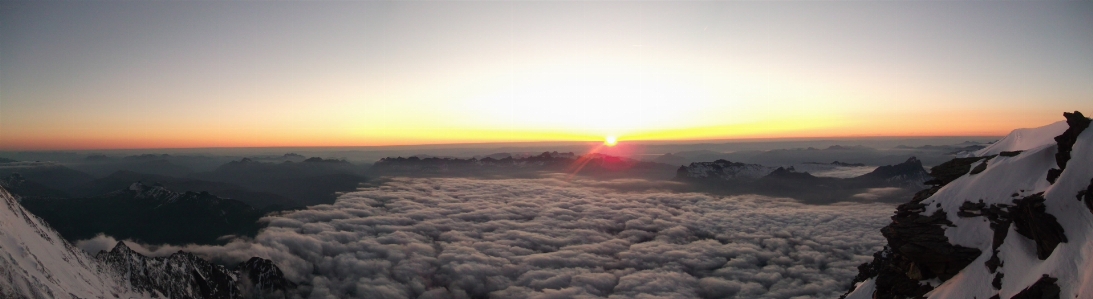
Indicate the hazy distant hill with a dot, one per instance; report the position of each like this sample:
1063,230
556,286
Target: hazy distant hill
885,183
52,175
853,154
122,179
312,181
593,165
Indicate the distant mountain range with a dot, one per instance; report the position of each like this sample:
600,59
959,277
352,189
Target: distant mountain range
593,165
885,183
852,154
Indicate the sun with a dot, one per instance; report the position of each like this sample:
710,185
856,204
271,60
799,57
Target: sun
610,141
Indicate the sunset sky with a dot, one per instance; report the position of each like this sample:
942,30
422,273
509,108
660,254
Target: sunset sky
127,74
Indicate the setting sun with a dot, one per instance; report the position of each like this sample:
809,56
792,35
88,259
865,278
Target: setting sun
610,141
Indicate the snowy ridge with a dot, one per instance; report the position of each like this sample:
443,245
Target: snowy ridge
36,262
1025,139
1017,234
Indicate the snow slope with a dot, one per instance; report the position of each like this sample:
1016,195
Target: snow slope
1024,139
1006,181
36,262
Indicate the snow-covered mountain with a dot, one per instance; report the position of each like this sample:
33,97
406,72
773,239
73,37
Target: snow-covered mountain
36,262
1013,221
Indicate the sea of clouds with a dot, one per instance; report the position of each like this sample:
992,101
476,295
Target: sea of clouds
554,238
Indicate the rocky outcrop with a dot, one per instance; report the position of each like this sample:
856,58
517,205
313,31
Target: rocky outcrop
259,276
181,275
184,276
953,169
1031,220
1077,123
1086,196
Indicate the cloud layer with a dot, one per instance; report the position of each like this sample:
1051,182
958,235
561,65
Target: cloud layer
549,238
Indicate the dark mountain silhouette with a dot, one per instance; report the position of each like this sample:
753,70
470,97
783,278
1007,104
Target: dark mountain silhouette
17,184
313,181
122,179
739,178
52,175
151,214
150,164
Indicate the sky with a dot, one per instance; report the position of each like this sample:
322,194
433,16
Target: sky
130,74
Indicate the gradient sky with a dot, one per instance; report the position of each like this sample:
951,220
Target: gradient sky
128,74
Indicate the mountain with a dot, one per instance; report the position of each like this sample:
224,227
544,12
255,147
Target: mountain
21,187
723,169
671,159
151,214
36,262
595,165
52,175
310,182
885,183
910,173
184,275
139,164
122,179
1013,221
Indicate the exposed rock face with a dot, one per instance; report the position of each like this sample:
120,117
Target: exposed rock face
953,169
259,276
1031,221
1078,123
184,275
1086,196
181,275
921,241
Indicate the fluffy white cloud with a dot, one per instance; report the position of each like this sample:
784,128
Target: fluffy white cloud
551,238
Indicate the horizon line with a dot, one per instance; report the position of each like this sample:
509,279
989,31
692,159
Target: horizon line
525,143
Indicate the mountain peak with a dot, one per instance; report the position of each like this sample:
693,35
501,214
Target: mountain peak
992,226
121,248
913,160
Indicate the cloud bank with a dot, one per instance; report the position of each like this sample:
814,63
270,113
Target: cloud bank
549,238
